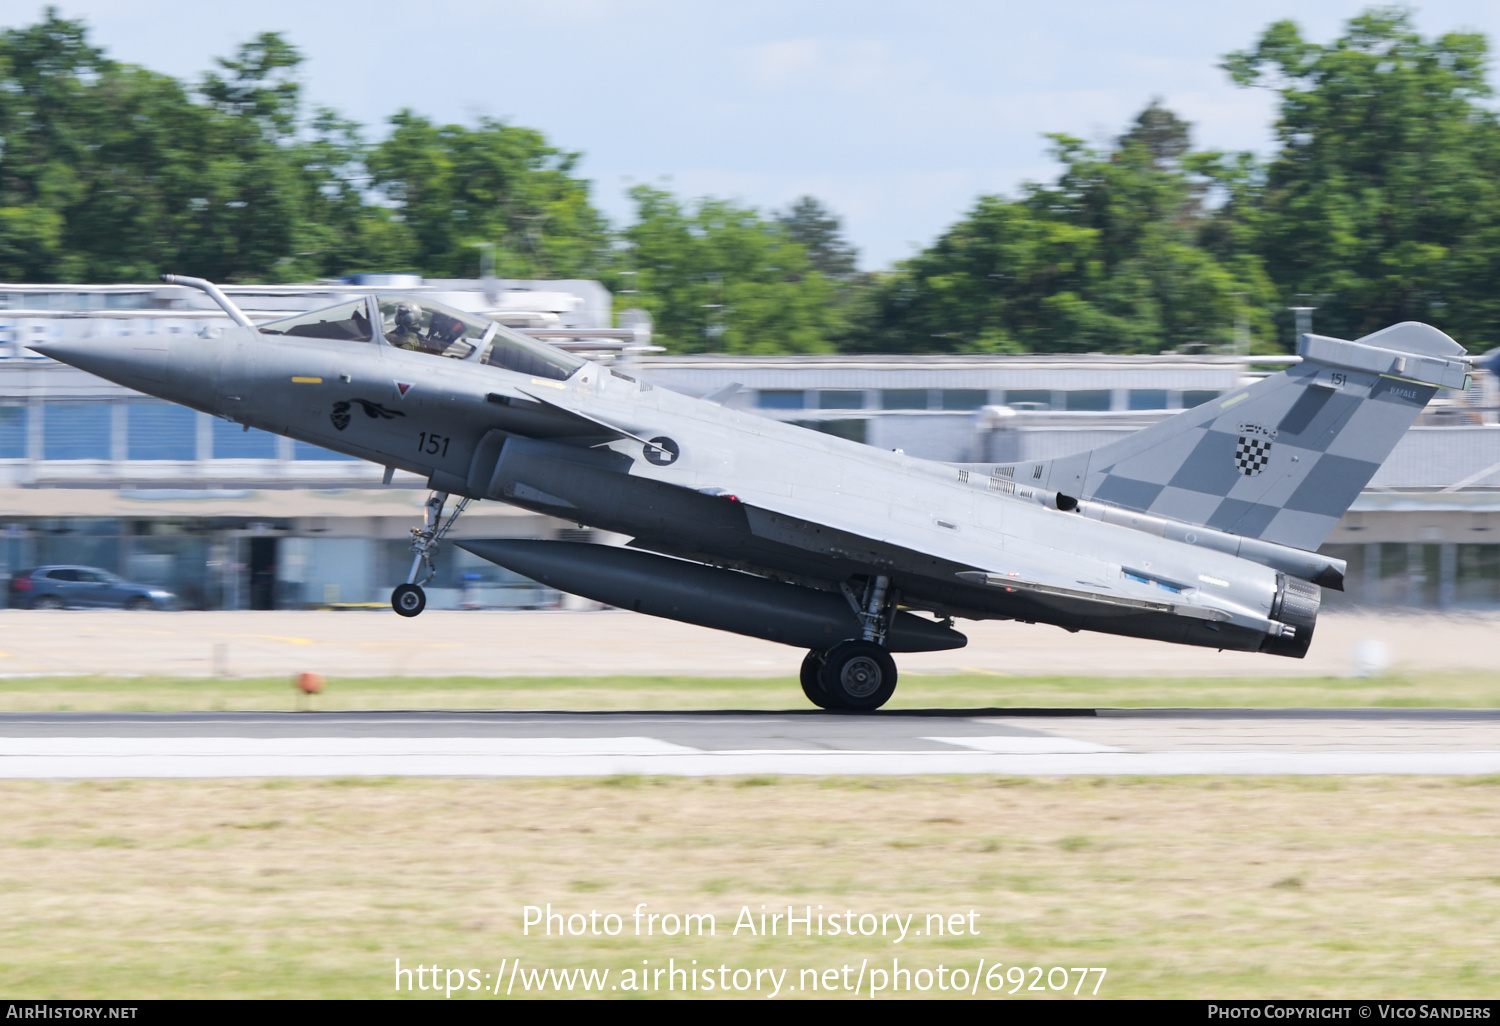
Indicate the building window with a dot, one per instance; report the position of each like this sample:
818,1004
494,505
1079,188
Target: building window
1090,399
77,431
78,541
1409,574
233,442
964,398
853,430
903,399
841,399
12,432
1391,573
1147,399
1478,569
1427,574
156,431
780,399
1029,398
1198,396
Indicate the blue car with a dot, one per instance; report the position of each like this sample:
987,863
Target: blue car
86,587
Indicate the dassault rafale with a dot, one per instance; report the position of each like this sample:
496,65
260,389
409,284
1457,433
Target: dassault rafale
1201,529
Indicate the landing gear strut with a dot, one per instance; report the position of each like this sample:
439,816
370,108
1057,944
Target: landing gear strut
409,599
858,675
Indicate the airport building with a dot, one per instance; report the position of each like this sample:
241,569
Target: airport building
94,474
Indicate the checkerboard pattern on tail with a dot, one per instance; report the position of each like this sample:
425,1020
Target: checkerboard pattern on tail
1331,421
1252,455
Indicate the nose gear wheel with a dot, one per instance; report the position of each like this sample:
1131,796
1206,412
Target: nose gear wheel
409,599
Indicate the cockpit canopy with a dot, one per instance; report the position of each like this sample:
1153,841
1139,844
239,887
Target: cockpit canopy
420,325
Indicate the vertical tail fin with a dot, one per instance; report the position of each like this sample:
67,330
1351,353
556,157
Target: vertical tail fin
1281,459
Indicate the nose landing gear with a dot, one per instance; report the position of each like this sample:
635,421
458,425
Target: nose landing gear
409,599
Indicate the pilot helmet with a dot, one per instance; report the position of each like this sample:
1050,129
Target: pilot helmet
409,316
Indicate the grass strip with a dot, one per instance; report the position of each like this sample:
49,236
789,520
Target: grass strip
1182,887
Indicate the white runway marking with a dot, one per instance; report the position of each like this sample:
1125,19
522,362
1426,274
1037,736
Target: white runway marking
1009,745
112,757
331,747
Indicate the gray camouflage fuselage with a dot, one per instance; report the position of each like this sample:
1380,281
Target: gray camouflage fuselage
1086,542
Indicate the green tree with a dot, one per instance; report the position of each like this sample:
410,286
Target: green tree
349,233
262,89
1382,203
47,123
452,188
255,210
1105,259
110,172
818,231
722,278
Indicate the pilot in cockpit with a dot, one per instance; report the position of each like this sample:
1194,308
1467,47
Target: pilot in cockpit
408,331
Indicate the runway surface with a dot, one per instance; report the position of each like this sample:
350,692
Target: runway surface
976,741
617,643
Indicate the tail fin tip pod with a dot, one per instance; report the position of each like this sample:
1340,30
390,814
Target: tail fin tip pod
1282,459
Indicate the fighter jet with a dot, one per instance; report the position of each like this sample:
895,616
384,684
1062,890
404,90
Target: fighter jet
1199,530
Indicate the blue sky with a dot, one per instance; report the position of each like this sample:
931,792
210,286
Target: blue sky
895,114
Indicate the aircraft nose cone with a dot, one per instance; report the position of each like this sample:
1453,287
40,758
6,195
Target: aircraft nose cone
133,362
75,351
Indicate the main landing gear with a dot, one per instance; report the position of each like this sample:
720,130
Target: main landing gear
858,675
409,599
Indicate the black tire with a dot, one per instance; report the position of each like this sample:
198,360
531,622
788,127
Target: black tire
409,599
47,602
812,680
139,603
859,676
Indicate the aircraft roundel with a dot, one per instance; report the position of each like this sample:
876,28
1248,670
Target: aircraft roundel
661,451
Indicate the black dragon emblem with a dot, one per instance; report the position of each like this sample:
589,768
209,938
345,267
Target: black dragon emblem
340,414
